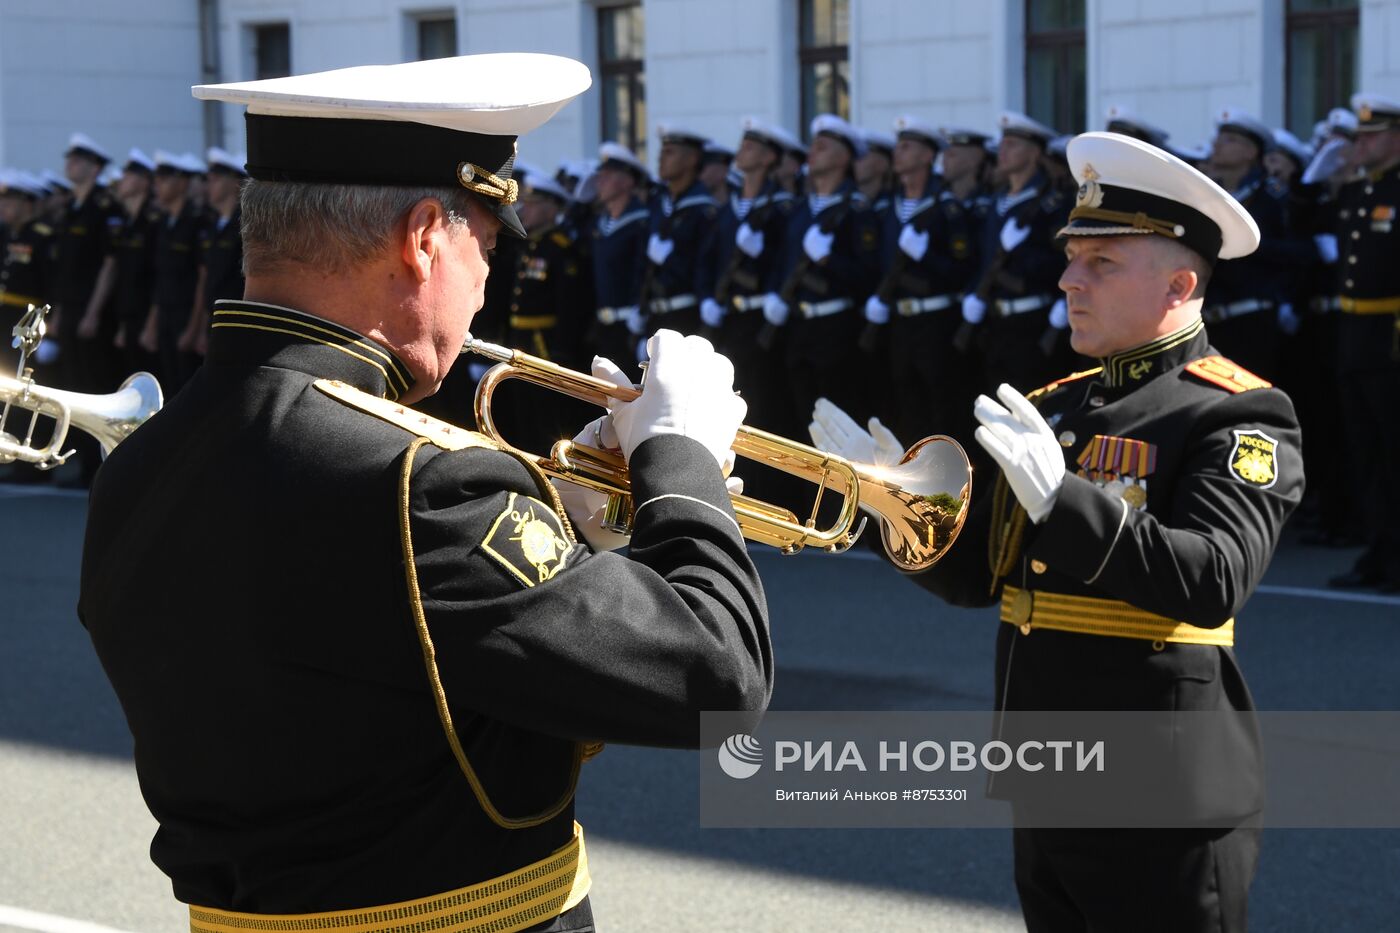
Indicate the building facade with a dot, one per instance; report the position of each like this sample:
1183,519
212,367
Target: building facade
120,71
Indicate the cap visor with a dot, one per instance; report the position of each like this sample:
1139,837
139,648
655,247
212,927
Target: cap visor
510,222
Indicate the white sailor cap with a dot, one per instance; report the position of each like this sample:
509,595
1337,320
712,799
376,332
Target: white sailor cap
138,160
1058,146
193,164
1375,113
920,131
540,183
773,137
22,183
84,144
795,147
829,124
879,139
1018,124
617,156
578,169
681,135
221,160
1343,122
441,122
168,160
1127,186
1192,154
1294,147
1120,119
714,152
523,170
109,175
962,136
55,181
1238,121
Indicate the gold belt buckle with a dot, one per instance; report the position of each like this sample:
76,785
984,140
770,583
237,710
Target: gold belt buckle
1021,608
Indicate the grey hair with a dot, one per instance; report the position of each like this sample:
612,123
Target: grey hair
330,227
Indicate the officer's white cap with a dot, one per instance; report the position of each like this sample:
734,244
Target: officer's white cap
1343,122
879,139
1129,187
1236,120
774,137
222,159
22,183
138,159
1375,113
918,130
832,125
964,136
682,135
1121,119
1295,147
81,142
616,155
441,122
1018,124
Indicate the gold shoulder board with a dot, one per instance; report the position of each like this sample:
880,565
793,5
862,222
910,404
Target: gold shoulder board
440,433
1232,377
1047,389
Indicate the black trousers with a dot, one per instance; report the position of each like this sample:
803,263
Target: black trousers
577,920
1368,389
1135,880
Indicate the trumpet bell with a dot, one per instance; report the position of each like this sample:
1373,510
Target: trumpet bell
922,502
110,419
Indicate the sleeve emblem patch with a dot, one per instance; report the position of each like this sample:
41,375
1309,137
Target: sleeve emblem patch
528,540
1253,460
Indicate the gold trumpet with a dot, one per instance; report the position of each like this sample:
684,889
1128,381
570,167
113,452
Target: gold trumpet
921,503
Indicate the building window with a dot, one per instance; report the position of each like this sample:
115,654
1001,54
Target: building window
823,58
434,34
272,50
1322,60
1056,88
620,54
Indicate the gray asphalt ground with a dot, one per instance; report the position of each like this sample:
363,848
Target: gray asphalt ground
848,635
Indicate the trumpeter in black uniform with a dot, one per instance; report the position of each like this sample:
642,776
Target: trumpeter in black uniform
928,260
401,655
221,248
619,251
136,260
1368,336
831,258
26,259
1020,264
1136,508
681,217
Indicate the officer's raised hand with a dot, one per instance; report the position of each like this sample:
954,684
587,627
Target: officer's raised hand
836,432
1024,447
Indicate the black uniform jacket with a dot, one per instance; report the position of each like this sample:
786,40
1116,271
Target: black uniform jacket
1222,472
244,582
948,265
26,270
1034,267
1368,278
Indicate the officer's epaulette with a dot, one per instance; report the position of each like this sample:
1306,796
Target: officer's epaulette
562,239
442,434
1045,390
1231,377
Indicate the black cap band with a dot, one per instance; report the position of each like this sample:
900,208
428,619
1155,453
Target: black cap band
1105,210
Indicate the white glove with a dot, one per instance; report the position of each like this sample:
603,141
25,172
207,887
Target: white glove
1013,234
585,506
1288,320
973,308
817,245
876,311
689,391
632,317
658,249
775,310
1059,315
711,312
749,240
1327,161
836,432
1326,247
477,370
914,243
1024,447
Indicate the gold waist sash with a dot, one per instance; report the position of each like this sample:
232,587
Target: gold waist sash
1086,615
511,902
1369,305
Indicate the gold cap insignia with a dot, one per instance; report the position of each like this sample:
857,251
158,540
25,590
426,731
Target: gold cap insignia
1090,192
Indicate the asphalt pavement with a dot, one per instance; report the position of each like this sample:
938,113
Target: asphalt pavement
848,634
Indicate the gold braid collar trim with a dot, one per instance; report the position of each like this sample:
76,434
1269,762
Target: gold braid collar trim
1132,223
487,184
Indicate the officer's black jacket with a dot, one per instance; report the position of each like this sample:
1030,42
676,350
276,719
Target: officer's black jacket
26,269
221,252
135,249
1034,267
1368,236
549,287
85,239
177,261
244,583
1194,554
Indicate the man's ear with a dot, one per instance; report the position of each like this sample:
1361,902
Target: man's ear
424,226
1181,286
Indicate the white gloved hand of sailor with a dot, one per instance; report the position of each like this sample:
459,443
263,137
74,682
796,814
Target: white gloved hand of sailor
914,243
585,507
973,309
775,310
1326,244
689,390
1013,234
749,240
876,311
1024,447
816,244
711,312
836,432
659,249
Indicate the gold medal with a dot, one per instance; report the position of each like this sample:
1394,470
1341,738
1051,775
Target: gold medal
1067,439
1135,496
